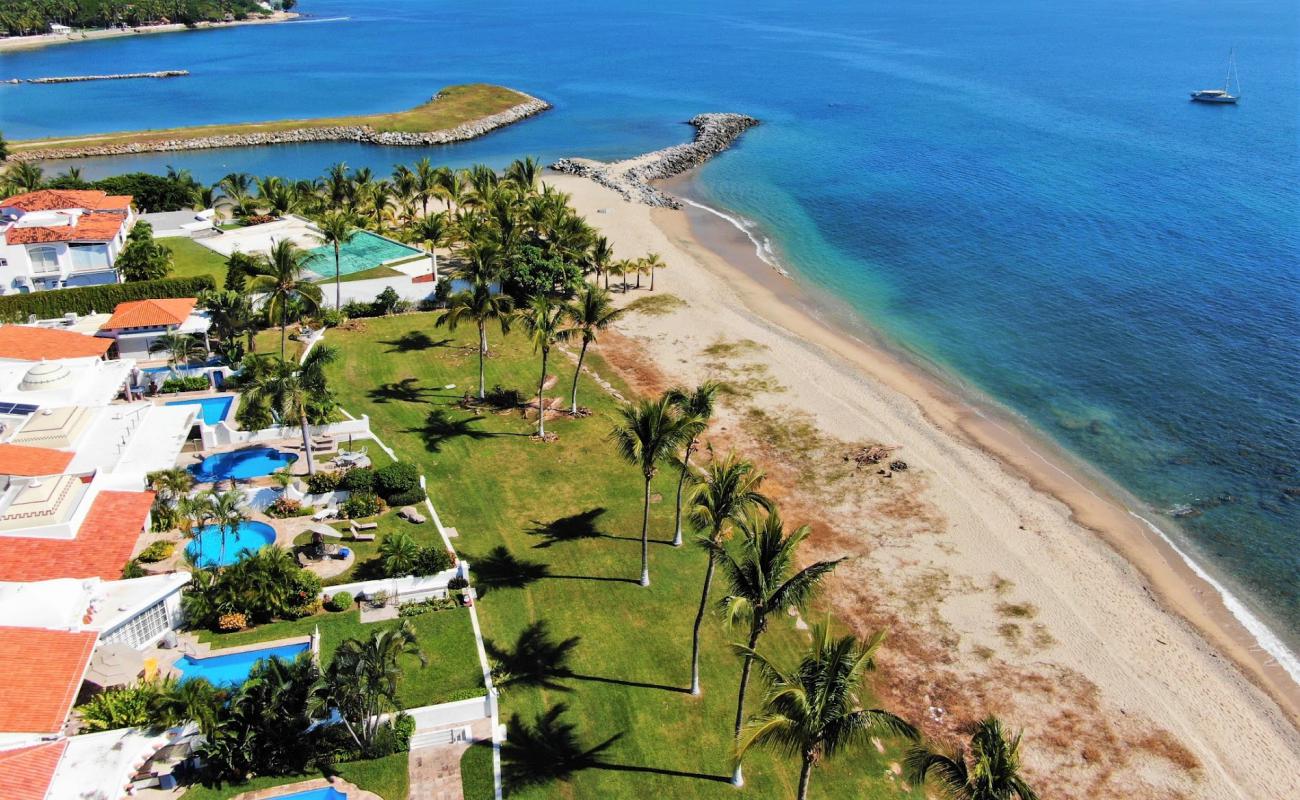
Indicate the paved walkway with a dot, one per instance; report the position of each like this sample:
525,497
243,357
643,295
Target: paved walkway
435,771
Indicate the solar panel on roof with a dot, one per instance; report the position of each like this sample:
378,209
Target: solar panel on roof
17,408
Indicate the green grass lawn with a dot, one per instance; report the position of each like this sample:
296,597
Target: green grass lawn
451,670
190,259
552,534
267,340
476,772
386,777
365,566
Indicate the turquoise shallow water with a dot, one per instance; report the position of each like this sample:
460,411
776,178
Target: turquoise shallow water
1018,193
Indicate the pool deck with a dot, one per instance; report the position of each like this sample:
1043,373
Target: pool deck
353,792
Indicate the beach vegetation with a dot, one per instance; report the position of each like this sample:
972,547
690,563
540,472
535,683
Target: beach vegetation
659,305
544,321
988,769
28,17
589,313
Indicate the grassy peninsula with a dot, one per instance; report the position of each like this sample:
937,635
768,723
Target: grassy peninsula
453,108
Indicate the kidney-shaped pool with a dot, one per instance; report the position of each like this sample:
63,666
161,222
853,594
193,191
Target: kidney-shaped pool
251,462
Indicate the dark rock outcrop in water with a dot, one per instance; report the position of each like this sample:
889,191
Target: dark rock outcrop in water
166,73
336,133
631,178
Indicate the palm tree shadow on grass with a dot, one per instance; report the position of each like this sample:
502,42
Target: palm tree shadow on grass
500,569
538,659
440,427
573,528
412,341
407,390
549,749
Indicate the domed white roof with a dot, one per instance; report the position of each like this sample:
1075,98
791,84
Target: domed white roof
46,375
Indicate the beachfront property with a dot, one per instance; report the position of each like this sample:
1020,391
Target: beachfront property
136,326
53,238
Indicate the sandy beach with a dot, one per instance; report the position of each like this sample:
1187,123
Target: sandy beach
11,43
1009,582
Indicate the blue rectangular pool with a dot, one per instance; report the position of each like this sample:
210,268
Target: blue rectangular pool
212,409
233,669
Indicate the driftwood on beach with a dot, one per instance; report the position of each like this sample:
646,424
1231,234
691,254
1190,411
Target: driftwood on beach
631,178
165,73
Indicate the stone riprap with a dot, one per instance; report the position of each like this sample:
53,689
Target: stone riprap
123,76
336,133
631,177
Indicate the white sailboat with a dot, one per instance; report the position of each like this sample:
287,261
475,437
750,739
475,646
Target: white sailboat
1222,95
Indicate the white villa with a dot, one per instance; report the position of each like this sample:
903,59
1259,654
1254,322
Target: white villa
56,238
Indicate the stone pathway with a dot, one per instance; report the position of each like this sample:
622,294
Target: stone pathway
435,771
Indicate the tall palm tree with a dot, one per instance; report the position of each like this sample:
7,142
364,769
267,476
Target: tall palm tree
226,510
728,491
23,177
279,277
425,184
338,187
599,258
181,348
523,173
813,711
763,582
697,405
362,679
544,320
990,771
452,185
652,262
589,313
432,230
481,306
337,228
648,432
289,390
193,514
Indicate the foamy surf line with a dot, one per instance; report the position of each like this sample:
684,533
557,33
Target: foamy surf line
762,247
1265,638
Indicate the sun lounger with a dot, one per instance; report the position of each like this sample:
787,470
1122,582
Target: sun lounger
324,513
359,531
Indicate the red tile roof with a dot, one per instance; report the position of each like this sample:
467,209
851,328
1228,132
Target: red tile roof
20,459
100,226
40,675
27,772
103,545
148,313
428,278
28,343
61,199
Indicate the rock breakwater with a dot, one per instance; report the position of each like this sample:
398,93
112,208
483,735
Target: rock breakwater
631,177
473,129
123,76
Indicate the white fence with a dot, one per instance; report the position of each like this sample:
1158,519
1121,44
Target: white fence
407,589
222,434
455,713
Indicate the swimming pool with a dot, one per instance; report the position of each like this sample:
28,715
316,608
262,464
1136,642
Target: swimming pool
233,669
323,793
365,251
206,547
251,462
211,409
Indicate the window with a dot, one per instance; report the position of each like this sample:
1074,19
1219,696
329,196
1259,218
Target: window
143,627
44,259
89,256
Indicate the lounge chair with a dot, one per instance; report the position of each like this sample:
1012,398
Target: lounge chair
324,513
359,531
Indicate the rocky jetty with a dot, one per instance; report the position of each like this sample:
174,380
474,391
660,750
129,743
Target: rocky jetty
124,76
631,177
338,133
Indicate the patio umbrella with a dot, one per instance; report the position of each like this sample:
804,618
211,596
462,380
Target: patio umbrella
115,664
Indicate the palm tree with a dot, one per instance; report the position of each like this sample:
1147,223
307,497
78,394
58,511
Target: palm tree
362,680
652,262
763,582
696,405
181,348
452,187
337,228
291,391
726,494
600,258
433,230
544,320
649,431
226,510
480,305
398,553
523,173
23,177
590,312
278,276
425,184
814,711
991,772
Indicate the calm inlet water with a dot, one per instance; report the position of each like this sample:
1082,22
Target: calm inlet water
1020,195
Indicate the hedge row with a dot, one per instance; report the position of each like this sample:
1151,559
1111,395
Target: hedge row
100,299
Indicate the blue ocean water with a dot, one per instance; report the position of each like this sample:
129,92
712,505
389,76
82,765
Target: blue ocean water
1017,192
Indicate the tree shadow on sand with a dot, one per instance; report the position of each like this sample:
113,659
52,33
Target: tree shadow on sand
499,569
412,341
549,749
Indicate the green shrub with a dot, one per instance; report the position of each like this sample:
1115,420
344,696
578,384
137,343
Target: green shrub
340,601
361,504
413,497
432,560
185,383
395,736
133,570
157,552
331,318
303,609
322,482
284,507
127,707
358,480
419,607
399,477
457,583
85,299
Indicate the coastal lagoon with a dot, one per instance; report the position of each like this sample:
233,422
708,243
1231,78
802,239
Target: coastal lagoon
1020,197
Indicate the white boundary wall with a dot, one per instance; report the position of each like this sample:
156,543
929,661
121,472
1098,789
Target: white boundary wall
453,713
222,434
